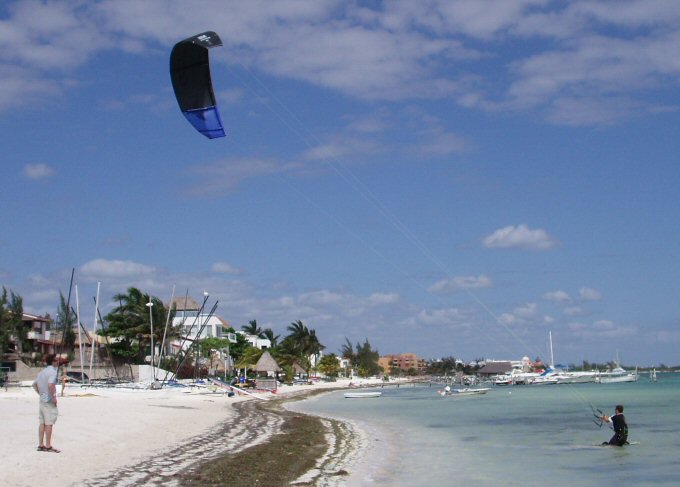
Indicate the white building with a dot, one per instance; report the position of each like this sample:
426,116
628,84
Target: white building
195,324
255,341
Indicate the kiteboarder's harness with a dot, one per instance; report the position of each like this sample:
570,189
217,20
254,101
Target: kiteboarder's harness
620,427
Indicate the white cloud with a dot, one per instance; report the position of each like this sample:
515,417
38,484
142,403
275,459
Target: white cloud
378,299
103,268
508,319
442,143
589,294
224,268
38,171
602,329
574,311
526,311
447,316
225,175
323,297
523,315
520,236
455,284
597,67
557,296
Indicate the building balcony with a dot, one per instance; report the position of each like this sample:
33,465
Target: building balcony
37,335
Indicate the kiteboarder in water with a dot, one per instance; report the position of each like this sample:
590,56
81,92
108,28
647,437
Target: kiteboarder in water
618,421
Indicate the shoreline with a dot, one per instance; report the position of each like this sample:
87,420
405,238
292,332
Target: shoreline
112,437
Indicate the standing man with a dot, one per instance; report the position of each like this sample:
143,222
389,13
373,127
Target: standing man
46,386
620,437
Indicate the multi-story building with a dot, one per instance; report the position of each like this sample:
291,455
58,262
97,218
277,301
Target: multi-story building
404,362
195,323
41,339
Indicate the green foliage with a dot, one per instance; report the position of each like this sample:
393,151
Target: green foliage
252,329
445,366
301,343
364,360
329,365
288,373
236,350
11,326
268,333
207,345
130,322
249,358
64,322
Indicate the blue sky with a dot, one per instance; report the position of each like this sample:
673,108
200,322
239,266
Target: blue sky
440,177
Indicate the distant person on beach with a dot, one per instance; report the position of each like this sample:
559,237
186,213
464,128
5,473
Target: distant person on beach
46,386
620,437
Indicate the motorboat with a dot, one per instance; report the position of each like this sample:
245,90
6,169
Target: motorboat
361,395
617,375
576,377
466,391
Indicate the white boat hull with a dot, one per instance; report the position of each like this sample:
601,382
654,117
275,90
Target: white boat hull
361,395
617,379
464,392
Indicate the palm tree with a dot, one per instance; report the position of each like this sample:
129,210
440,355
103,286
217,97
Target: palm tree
66,318
130,321
252,329
347,351
302,343
268,333
249,358
11,325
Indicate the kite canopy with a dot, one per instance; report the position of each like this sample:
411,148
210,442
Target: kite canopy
190,75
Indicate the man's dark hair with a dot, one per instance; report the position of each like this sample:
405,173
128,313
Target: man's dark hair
619,408
49,358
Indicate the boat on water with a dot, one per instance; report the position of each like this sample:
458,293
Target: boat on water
617,375
361,395
544,380
576,377
548,377
466,391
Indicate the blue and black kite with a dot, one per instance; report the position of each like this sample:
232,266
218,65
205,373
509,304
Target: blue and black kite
190,74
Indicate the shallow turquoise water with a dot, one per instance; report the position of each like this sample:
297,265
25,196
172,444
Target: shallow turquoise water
521,435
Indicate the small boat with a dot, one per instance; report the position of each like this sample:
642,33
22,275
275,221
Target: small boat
617,375
463,392
544,380
360,395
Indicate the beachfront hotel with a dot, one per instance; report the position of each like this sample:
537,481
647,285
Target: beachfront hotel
403,362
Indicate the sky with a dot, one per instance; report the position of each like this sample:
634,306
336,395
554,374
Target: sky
448,178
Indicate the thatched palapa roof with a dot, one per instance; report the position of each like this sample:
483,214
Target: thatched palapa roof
267,363
184,303
492,368
297,368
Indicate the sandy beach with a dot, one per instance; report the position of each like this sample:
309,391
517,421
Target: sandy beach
126,437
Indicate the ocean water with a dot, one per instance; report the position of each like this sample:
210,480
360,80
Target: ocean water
513,436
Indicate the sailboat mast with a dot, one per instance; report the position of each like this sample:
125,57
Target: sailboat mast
80,340
165,332
552,358
94,329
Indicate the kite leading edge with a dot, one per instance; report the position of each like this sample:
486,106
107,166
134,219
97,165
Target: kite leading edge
190,75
